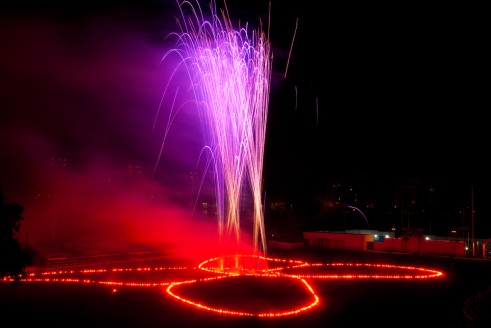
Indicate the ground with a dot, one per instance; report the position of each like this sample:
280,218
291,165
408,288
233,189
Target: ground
457,300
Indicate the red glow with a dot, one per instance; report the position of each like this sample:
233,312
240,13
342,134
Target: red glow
215,282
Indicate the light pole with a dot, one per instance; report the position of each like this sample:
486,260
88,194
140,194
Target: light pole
472,220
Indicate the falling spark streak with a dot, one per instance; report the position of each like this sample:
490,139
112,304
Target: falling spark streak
296,98
291,47
230,75
363,214
172,116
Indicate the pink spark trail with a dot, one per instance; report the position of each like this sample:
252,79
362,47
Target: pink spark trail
229,71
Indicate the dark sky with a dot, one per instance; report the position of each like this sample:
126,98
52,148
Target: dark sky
399,91
391,91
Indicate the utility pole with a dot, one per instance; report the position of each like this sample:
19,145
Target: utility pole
472,220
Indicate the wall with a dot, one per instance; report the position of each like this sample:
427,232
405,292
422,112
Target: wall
411,245
337,240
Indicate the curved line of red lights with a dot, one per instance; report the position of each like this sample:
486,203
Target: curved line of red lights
236,266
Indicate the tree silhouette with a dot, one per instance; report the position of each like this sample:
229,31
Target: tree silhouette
13,257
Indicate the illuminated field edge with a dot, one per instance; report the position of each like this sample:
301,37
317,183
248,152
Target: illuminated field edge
218,268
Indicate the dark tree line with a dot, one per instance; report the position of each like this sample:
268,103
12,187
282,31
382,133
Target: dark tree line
14,257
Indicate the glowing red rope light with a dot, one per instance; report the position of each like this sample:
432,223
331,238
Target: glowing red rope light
285,269
365,266
313,302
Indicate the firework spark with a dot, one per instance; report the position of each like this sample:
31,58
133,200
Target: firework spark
229,73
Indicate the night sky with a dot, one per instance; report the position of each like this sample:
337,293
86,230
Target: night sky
391,92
